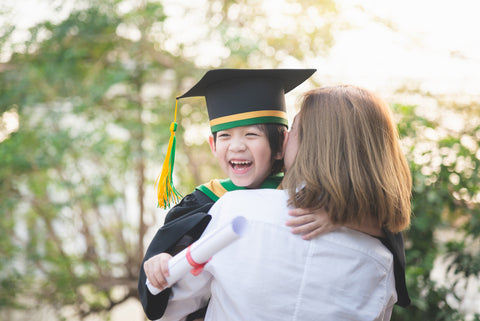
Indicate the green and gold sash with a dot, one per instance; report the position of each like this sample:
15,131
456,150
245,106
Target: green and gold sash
217,187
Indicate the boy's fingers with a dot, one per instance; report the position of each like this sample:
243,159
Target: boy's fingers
313,229
160,281
310,235
298,212
309,223
164,267
156,269
304,229
152,275
156,283
147,267
318,230
300,220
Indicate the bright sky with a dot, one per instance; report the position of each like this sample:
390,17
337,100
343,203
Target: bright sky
434,45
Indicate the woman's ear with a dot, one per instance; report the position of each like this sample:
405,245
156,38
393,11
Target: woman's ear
211,142
281,154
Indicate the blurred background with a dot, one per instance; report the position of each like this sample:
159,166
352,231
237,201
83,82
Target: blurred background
87,93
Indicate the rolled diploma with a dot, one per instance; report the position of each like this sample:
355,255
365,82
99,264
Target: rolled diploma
202,250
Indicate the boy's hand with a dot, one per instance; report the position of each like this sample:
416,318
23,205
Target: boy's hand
156,270
310,223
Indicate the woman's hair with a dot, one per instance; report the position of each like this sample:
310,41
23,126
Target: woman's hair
276,135
349,160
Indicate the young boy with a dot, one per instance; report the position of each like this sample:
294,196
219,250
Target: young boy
248,120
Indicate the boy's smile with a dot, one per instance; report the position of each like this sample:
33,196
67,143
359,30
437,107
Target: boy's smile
244,154
240,166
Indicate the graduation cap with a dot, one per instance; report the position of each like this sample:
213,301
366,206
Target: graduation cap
239,97
234,97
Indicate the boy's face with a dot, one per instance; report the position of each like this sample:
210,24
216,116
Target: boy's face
244,155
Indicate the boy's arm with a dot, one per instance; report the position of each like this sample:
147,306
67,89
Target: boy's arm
192,203
164,241
188,218
192,292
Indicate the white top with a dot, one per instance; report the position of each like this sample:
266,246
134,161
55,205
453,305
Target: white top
272,274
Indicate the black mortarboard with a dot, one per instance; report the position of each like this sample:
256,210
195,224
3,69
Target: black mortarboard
238,97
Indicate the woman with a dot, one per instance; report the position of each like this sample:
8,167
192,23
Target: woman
342,154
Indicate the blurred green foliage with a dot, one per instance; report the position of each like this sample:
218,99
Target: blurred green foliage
445,169
94,97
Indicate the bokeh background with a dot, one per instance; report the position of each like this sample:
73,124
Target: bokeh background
87,93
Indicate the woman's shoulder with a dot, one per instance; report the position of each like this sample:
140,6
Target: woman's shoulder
259,194
362,244
255,205
254,198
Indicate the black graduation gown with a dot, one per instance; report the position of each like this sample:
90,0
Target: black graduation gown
394,242
185,223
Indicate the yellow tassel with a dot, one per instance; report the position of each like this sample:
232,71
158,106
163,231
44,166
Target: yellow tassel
166,192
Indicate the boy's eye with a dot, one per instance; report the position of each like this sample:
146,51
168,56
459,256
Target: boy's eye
252,134
222,135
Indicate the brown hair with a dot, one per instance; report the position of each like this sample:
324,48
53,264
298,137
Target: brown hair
349,160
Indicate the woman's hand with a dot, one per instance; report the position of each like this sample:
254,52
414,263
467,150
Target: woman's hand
156,270
310,223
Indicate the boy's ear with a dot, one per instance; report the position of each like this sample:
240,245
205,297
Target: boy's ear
211,142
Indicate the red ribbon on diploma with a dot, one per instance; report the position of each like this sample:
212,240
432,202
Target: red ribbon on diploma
197,267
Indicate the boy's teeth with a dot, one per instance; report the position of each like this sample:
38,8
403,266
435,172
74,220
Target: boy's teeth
240,163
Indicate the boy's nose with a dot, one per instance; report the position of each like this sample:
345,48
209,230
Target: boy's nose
237,145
